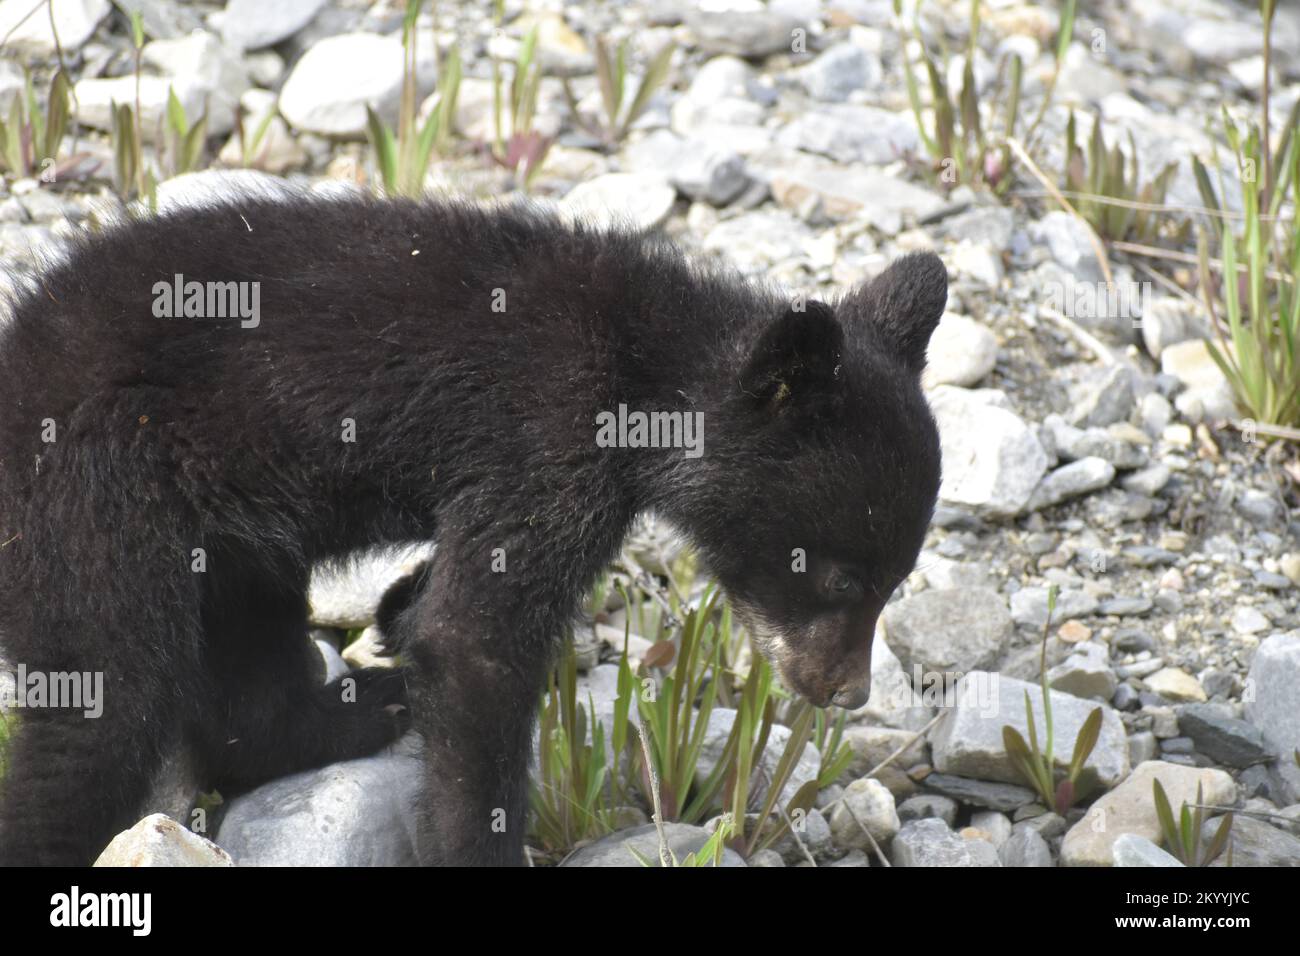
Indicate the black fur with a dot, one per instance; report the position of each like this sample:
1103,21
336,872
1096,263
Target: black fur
473,426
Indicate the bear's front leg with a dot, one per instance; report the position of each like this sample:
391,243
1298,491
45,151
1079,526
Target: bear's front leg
480,650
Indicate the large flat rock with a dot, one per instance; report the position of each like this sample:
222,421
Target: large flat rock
1131,808
969,742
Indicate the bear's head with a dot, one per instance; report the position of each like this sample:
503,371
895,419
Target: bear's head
821,478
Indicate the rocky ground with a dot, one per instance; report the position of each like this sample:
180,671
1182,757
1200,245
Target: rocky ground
1100,453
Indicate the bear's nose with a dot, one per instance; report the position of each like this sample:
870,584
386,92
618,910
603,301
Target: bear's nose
851,698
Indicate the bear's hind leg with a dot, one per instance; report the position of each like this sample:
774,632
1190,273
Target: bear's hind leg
101,621
73,782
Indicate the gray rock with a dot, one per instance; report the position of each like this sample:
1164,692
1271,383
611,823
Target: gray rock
1260,507
1164,722
1222,737
731,121
1255,843
356,813
961,352
871,746
163,19
1190,362
930,843
199,60
1168,320
75,21
814,835
992,461
1047,825
1029,606
724,77
1148,481
636,200
865,803
982,852
622,848
979,262
1108,401
1074,443
1289,564
599,686
1067,239
1086,78
839,71
1130,808
1085,673
1126,606
755,241
848,133
1222,41
1273,582
1004,797
1175,684
959,630
854,858
1132,640
1220,683
1146,556
254,24
748,31
894,702
923,806
346,594
1025,847
1270,699
879,200
95,97
158,840
1070,481
943,574
330,86
995,824
988,226
1155,412
709,173
1133,850
1142,746
1126,697
969,741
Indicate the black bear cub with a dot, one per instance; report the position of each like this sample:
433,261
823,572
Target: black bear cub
196,407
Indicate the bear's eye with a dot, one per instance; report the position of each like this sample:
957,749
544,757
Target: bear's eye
841,584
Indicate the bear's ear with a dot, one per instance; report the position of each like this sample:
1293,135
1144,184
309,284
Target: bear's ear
904,305
796,358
